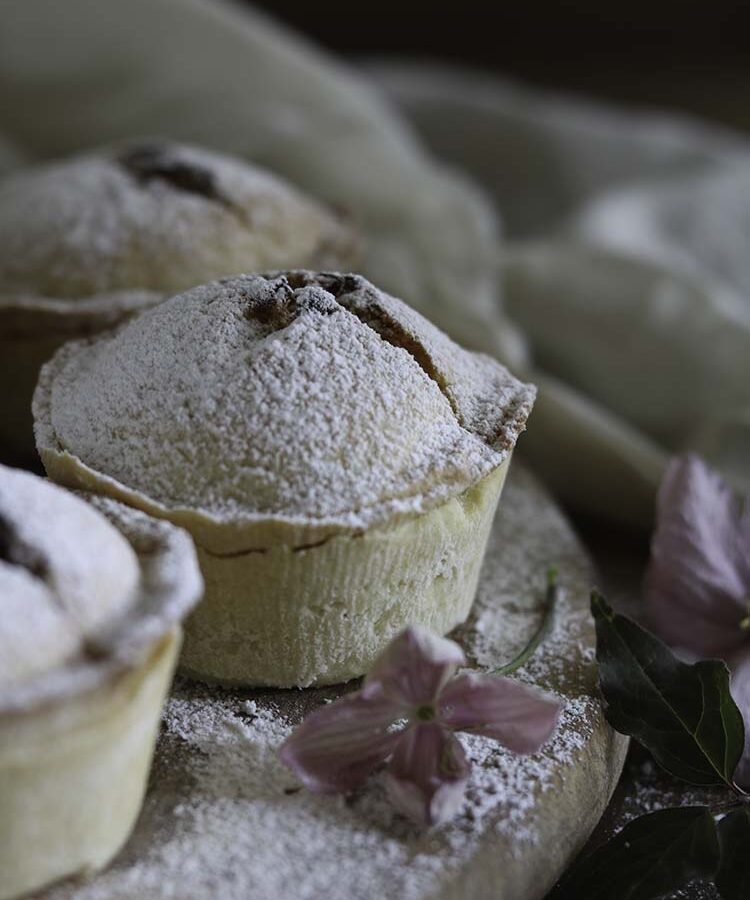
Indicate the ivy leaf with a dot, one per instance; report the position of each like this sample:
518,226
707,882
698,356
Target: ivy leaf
684,714
651,857
733,878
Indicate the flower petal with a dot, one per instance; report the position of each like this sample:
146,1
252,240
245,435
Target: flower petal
337,746
698,579
414,667
518,716
740,687
427,774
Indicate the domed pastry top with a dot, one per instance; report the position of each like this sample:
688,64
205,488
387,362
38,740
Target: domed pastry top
79,597
313,401
65,572
153,217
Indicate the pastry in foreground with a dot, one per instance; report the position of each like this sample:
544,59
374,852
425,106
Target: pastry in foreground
88,241
336,458
92,600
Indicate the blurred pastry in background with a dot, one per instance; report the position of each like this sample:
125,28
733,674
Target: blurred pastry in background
86,242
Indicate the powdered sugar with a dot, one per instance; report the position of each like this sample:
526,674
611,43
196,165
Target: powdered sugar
87,590
64,572
224,818
155,216
301,398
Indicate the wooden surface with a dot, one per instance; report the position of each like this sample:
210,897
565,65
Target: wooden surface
223,819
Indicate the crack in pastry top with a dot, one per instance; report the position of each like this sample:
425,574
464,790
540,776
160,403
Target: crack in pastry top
298,397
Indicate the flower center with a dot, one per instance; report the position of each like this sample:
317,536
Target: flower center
745,622
426,713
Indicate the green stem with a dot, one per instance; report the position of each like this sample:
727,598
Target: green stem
552,595
729,805
741,794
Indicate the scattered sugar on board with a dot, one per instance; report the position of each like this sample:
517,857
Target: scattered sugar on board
225,818
649,789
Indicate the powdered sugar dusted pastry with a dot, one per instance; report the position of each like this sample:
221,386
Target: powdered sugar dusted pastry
88,241
92,599
336,458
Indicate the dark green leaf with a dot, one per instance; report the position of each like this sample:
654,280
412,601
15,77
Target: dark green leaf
651,857
733,877
684,714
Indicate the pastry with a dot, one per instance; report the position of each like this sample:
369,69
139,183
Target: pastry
336,458
92,597
87,242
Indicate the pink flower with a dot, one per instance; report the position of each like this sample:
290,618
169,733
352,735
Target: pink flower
697,585
406,711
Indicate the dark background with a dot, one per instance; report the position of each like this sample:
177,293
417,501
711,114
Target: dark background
692,55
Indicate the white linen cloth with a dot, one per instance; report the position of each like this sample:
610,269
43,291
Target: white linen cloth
634,318
628,269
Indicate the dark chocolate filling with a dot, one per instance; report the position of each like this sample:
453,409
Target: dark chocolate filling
146,162
17,552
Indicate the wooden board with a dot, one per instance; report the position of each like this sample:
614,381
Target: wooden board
223,819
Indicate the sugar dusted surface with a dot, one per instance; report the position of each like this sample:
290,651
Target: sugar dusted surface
223,818
65,571
644,787
273,398
87,590
92,224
